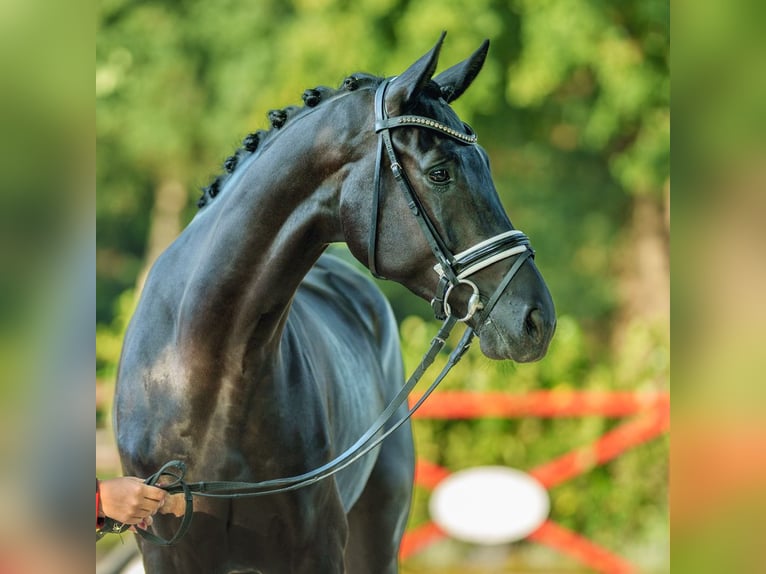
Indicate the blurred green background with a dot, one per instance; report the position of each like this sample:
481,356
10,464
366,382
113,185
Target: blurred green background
573,108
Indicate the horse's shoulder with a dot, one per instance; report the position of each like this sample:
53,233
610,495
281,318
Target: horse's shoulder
344,298
334,277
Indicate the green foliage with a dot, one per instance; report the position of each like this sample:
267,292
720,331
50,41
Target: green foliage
572,105
109,337
607,73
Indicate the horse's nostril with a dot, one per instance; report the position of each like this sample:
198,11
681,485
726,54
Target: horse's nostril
534,324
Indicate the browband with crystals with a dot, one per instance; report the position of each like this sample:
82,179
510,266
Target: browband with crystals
383,124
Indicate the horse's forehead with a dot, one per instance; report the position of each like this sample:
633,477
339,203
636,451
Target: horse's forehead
429,145
440,110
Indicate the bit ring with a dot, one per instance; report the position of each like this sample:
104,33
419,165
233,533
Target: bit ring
474,301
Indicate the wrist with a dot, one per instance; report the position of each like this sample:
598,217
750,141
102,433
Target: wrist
99,506
99,511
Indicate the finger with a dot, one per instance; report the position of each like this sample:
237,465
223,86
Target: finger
147,510
158,505
154,493
133,520
152,506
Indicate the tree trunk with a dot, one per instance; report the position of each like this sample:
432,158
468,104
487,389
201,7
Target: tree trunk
165,224
644,265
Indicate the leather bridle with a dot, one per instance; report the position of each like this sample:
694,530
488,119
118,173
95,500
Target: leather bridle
453,270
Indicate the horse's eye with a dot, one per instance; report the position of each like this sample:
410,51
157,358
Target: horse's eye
439,175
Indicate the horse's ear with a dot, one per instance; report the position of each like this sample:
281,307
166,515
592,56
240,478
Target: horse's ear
406,87
456,79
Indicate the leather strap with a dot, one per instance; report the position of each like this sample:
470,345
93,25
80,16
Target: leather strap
176,470
503,284
234,489
435,242
167,470
421,122
372,246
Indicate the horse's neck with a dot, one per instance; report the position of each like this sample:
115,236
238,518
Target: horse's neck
261,236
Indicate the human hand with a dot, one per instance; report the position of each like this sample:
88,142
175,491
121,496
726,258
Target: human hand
129,500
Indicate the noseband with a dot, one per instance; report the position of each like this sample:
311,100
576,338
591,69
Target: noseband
453,270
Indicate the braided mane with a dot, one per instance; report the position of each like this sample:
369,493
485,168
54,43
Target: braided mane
277,118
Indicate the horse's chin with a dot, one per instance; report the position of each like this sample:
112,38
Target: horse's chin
495,345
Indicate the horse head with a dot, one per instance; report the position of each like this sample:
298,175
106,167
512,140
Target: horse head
421,208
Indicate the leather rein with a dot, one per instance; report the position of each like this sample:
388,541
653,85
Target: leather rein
453,271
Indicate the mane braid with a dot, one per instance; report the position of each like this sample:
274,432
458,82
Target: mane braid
277,119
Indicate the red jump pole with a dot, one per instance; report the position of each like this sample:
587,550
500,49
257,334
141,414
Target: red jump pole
580,548
471,405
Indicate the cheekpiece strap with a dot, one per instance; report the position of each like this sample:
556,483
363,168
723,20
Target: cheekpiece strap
438,247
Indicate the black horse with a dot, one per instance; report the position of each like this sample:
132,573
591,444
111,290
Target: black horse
253,356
